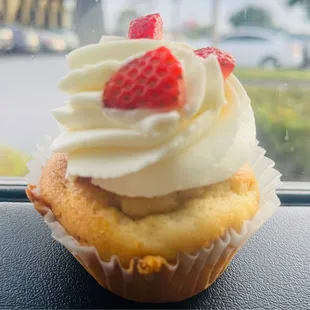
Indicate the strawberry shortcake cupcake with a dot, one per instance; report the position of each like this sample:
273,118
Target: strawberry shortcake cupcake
150,180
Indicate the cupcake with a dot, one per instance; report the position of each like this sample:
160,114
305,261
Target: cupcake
156,180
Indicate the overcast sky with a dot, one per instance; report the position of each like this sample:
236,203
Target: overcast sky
200,10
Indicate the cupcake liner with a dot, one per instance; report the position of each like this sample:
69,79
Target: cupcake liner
191,273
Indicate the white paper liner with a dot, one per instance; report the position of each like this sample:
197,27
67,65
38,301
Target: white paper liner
216,256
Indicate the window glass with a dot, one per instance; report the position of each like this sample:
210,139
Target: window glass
35,35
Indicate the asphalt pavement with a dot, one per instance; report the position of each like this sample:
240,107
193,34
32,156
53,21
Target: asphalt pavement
27,94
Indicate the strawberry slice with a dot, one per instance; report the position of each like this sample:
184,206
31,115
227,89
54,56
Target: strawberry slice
227,62
152,81
146,27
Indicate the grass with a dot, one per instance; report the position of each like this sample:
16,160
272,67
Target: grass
285,75
288,107
283,128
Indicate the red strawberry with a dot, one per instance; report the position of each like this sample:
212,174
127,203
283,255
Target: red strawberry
152,81
146,27
227,62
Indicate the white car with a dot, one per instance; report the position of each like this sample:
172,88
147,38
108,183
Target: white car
52,41
263,48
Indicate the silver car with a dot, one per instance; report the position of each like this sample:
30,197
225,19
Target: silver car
25,39
255,47
6,38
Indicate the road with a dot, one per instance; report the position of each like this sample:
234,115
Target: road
27,94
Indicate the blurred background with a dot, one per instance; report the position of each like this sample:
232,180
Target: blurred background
269,39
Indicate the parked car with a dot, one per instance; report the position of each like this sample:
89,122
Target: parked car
25,39
304,39
52,41
6,38
255,47
71,38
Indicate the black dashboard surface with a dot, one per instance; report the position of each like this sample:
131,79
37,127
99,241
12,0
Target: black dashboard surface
272,271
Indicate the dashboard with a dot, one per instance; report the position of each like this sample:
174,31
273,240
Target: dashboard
271,271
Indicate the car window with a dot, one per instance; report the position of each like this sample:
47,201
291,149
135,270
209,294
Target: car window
35,36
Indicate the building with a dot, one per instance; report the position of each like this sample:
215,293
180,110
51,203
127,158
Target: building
85,17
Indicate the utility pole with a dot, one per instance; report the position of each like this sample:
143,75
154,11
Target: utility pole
89,21
104,7
215,17
175,18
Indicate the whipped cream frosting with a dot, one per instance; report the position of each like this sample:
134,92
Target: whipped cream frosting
151,153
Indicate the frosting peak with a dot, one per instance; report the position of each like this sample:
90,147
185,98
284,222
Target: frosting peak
145,152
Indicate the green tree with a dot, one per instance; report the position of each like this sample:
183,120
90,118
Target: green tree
305,3
251,16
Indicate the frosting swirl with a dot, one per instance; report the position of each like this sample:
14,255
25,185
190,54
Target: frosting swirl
151,153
